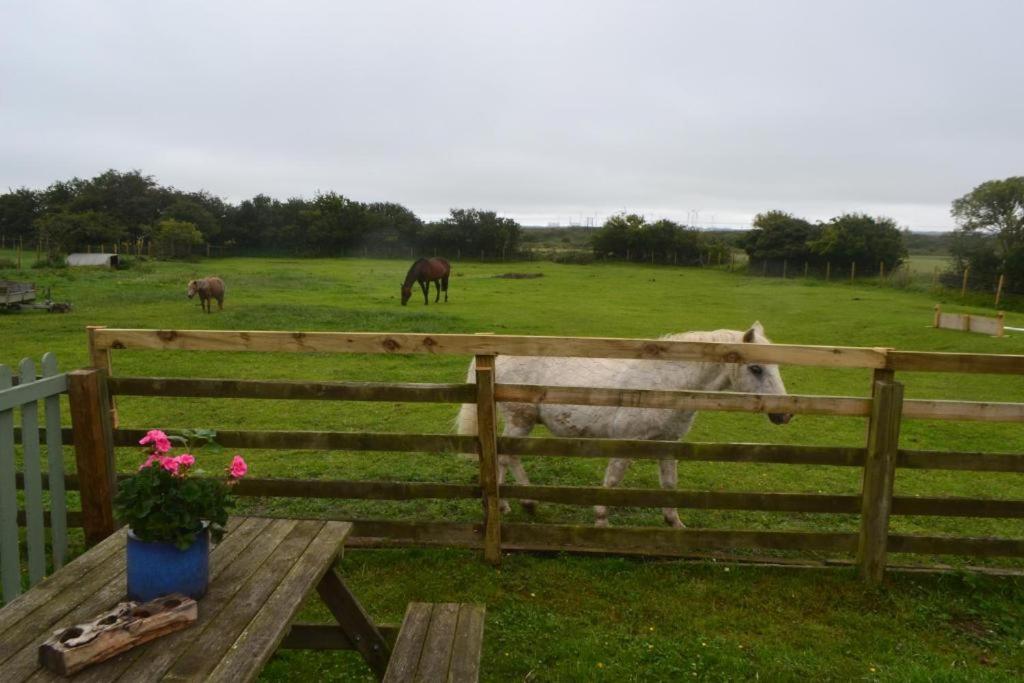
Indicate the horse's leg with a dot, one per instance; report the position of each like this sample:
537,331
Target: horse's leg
613,475
444,281
669,478
502,470
425,286
516,465
520,419
437,283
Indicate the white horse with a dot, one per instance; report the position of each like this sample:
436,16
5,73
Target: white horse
617,422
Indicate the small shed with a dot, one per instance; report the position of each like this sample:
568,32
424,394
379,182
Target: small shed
95,260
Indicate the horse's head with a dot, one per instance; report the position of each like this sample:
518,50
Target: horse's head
193,287
759,378
406,293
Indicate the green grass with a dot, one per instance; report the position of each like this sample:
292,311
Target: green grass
558,618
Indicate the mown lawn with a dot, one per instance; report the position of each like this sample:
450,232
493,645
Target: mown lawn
572,618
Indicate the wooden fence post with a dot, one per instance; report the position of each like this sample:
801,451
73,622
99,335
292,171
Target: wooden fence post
101,359
963,288
879,473
487,433
828,271
999,289
853,271
938,315
94,451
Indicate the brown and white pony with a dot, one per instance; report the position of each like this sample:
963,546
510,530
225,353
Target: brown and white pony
207,288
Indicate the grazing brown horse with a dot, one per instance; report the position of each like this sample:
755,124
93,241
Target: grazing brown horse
425,271
207,288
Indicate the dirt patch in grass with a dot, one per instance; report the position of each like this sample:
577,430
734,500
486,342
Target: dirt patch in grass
519,276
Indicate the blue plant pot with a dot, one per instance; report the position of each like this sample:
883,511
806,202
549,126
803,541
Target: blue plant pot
157,568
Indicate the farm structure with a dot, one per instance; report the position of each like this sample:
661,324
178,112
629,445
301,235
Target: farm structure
94,260
970,323
878,458
16,296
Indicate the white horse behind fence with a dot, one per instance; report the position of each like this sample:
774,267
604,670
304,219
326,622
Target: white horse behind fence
619,422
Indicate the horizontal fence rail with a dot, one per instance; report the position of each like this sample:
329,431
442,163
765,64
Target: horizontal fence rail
525,393
104,340
879,458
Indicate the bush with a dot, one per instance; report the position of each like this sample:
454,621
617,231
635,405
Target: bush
574,257
7,263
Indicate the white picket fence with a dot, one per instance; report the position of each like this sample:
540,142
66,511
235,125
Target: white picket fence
24,398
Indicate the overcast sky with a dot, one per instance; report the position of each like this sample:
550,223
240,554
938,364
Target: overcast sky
543,111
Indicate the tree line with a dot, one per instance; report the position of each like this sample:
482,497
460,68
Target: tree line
631,237
119,207
866,243
987,245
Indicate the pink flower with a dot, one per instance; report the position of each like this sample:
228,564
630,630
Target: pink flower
238,467
186,460
169,464
149,462
160,442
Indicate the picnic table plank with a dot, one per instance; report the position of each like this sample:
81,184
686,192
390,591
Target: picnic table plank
409,646
437,646
43,618
204,654
469,638
26,663
53,585
257,643
240,553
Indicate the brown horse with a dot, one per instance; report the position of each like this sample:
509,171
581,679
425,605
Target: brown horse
207,288
425,271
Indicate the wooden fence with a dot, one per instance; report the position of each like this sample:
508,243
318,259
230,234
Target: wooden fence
25,396
878,458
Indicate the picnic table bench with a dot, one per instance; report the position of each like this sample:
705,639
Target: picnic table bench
438,642
260,574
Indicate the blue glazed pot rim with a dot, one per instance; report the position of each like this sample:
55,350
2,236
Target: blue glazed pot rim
131,534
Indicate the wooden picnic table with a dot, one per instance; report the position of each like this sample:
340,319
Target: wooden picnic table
260,574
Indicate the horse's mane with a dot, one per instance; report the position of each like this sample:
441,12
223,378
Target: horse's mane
409,275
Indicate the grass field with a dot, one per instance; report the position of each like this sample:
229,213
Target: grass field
570,618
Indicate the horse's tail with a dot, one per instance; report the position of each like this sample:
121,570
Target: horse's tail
466,422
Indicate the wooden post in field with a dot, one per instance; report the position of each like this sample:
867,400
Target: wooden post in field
94,451
938,315
487,431
879,473
828,271
853,271
100,359
963,287
807,267
207,250
21,242
881,271
999,289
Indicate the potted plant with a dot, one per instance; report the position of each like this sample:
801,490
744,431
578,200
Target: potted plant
172,516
